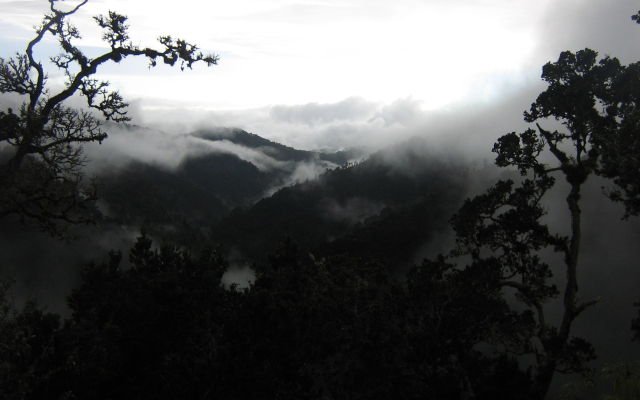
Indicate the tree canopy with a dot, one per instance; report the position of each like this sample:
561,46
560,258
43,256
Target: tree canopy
42,180
164,326
595,101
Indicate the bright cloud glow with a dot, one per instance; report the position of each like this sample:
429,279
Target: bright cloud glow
440,54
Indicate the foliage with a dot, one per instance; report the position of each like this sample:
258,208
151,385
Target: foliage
151,331
503,230
43,180
373,208
449,313
625,380
340,328
165,327
618,381
27,343
620,150
635,324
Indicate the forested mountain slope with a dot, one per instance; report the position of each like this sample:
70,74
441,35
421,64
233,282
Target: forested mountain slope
387,207
223,169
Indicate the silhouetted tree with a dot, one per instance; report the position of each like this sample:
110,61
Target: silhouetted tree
620,147
154,330
449,313
42,181
503,228
27,344
165,327
340,328
309,330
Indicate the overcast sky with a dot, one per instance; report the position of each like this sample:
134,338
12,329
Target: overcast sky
329,73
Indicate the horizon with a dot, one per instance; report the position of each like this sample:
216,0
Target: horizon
321,74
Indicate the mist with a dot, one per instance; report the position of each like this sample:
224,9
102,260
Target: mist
356,122
412,97
168,151
48,269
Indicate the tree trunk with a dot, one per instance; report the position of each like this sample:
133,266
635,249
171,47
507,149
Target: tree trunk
542,381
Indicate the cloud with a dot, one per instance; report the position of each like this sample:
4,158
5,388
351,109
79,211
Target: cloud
313,114
360,72
355,121
241,275
301,172
259,158
406,112
352,210
125,144
168,151
47,269
20,15
602,25
308,170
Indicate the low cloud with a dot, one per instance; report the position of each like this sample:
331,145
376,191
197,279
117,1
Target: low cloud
164,150
406,112
259,157
352,210
315,114
240,275
148,146
356,122
300,172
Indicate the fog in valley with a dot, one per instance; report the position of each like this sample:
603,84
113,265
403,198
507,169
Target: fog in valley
247,156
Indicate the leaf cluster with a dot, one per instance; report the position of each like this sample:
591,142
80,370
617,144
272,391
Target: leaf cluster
338,327
503,230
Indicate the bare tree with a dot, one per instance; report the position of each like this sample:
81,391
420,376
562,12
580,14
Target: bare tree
42,179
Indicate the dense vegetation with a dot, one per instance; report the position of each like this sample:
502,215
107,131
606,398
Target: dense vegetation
325,317
368,208
165,327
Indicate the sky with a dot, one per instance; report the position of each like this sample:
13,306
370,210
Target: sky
318,74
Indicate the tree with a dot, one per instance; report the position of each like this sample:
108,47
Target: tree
27,343
154,330
596,103
620,149
447,313
338,327
619,381
42,180
635,324
341,328
316,329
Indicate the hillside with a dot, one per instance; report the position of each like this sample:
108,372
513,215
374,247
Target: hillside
184,190
275,150
375,208
177,202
